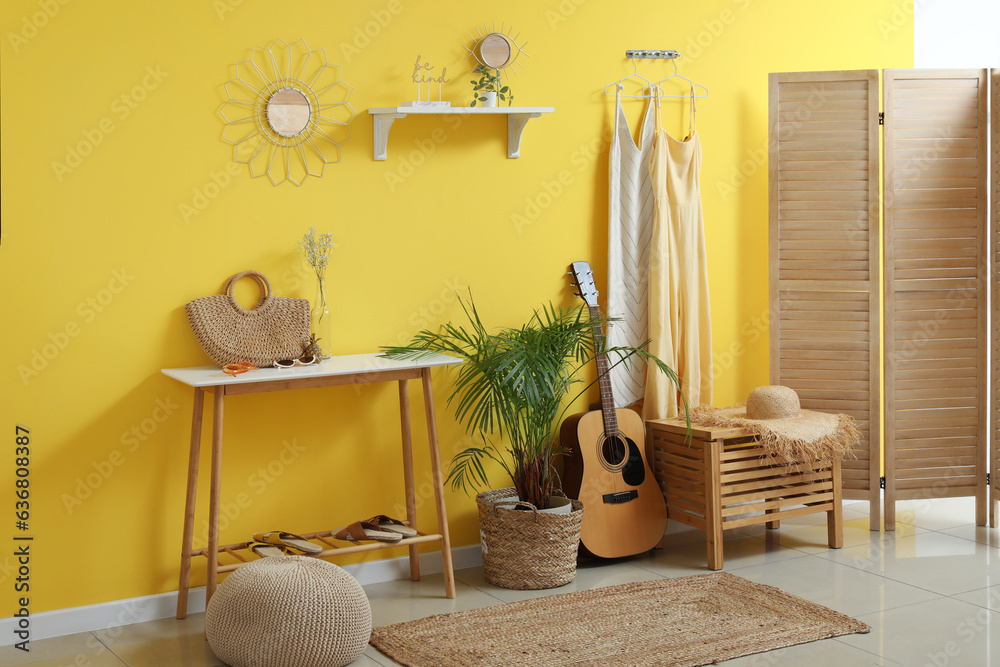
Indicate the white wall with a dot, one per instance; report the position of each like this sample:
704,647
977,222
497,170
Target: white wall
955,33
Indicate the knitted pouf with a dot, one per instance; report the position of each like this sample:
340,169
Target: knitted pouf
288,611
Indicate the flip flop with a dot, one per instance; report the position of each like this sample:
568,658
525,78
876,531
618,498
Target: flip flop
267,550
366,530
291,540
387,523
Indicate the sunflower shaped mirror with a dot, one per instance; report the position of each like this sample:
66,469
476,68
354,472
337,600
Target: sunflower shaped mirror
287,112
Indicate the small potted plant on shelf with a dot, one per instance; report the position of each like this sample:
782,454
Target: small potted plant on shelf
512,392
488,88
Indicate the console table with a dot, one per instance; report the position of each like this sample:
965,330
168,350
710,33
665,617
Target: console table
339,370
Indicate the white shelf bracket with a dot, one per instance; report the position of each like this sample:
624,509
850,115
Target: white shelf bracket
515,126
381,123
517,118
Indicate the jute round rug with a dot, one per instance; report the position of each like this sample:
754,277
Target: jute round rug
687,621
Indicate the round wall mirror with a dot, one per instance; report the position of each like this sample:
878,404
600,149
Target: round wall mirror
495,50
286,95
288,112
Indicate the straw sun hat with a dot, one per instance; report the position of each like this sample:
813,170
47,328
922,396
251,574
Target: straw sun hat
783,428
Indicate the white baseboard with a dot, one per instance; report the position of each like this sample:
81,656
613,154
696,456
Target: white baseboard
56,623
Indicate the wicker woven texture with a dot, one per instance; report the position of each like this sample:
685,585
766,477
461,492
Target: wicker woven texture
772,402
288,611
525,549
772,413
686,621
276,328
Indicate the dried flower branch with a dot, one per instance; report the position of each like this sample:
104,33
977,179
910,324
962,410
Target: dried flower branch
316,251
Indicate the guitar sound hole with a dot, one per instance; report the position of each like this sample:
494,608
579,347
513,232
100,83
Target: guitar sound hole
614,450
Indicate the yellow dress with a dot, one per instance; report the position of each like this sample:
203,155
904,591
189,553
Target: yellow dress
680,322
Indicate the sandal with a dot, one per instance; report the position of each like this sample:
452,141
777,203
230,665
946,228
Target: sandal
387,523
290,540
267,550
366,530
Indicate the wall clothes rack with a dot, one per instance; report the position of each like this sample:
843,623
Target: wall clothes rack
653,88
649,54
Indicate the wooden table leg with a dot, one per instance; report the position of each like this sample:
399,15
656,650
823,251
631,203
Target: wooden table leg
215,495
835,517
713,498
772,525
442,515
411,502
189,502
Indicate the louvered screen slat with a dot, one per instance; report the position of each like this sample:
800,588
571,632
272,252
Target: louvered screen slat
995,141
824,259
935,286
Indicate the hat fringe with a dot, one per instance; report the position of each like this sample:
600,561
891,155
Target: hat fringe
835,446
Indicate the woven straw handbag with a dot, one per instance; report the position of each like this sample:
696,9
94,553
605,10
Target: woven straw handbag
524,549
276,328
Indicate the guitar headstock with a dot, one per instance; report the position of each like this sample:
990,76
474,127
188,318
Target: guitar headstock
583,278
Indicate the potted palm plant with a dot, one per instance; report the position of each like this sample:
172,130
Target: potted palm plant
512,392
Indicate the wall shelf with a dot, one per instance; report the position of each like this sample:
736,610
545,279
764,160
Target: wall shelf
517,118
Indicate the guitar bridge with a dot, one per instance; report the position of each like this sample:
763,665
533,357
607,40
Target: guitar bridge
620,497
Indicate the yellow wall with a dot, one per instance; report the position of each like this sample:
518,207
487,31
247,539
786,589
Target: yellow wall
97,263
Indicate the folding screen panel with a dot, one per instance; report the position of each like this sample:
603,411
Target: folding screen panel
824,258
995,161
936,315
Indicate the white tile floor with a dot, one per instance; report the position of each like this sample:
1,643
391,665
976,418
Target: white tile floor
930,591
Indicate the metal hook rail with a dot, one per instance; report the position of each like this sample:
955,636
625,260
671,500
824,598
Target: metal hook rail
649,54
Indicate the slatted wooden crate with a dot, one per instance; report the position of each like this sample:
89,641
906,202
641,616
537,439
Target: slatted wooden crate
721,480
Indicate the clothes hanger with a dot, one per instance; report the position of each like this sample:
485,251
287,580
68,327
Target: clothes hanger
619,84
694,86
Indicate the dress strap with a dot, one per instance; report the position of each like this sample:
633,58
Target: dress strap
656,110
618,109
694,110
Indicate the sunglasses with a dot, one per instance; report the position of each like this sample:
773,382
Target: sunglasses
236,369
307,360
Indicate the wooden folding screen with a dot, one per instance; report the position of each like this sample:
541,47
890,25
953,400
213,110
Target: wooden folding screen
936,314
995,141
824,258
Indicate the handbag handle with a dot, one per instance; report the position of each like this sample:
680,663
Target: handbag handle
262,282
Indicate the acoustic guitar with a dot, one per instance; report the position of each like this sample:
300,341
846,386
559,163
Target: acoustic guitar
624,511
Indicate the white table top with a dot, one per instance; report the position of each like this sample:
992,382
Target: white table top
212,376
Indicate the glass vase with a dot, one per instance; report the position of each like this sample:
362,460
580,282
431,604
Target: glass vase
321,321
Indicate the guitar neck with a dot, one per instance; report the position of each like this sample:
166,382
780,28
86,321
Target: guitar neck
604,379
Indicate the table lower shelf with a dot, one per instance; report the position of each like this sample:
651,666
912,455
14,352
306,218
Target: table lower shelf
240,551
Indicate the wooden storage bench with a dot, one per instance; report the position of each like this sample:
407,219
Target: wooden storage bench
716,480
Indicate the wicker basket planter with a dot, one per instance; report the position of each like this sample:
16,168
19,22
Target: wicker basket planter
524,549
